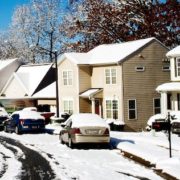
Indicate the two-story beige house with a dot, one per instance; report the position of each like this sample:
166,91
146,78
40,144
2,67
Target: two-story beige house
170,92
116,81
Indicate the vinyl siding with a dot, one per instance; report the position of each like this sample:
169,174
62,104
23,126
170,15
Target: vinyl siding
141,85
85,73
109,91
71,91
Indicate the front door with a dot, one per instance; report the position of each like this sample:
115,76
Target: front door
97,107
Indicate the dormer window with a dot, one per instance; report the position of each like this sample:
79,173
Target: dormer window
177,67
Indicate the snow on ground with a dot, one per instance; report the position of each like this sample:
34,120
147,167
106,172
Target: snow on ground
95,164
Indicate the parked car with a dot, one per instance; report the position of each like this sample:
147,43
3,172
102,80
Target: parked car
46,115
3,116
24,121
159,122
84,128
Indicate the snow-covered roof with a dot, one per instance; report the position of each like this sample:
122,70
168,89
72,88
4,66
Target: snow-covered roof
107,53
47,92
172,86
5,63
90,92
32,75
174,52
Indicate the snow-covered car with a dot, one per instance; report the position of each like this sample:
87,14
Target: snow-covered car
159,122
3,116
84,128
24,121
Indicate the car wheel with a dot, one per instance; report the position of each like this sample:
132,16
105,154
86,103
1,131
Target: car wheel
17,131
70,143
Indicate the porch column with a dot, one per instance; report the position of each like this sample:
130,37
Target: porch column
164,103
174,102
93,105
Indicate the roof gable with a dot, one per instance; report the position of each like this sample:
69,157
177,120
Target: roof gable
108,53
28,77
174,52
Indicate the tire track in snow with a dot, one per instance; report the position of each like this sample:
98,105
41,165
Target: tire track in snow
34,166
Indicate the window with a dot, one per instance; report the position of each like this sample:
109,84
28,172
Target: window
67,78
169,96
177,67
166,67
110,76
132,111
178,101
140,68
112,109
68,106
157,106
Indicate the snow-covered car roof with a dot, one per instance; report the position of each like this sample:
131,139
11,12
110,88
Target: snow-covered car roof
3,112
87,119
175,114
30,109
28,115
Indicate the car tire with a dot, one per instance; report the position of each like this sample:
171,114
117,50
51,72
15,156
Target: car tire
70,143
17,131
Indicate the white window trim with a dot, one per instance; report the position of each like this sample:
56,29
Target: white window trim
111,99
140,68
110,68
177,67
67,70
134,109
68,99
154,104
166,67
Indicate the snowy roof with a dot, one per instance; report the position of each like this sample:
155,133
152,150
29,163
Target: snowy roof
32,75
172,86
90,92
47,92
174,52
107,53
4,63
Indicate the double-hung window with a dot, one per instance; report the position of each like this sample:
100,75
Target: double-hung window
112,109
132,109
68,106
67,77
177,67
157,106
110,75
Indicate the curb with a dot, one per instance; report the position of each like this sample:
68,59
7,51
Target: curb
147,164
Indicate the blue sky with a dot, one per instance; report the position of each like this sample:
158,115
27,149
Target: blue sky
6,11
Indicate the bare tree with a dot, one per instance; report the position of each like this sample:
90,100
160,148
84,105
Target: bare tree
35,29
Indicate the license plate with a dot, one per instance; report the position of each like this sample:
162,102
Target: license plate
92,131
34,127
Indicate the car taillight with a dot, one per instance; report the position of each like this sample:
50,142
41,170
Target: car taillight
21,121
106,131
76,131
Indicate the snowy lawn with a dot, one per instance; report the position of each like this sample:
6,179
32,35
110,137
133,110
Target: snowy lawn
95,164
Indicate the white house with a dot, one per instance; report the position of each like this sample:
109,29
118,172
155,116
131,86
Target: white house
170,92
